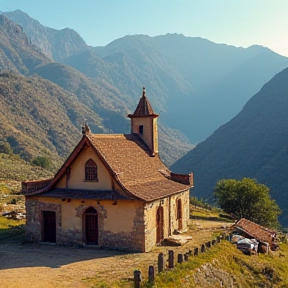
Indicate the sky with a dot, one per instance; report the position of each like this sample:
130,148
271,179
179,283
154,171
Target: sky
234,22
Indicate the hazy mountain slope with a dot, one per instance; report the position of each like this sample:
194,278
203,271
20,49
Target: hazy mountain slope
17,53
55,44
102,98
253,144
40,118
209,83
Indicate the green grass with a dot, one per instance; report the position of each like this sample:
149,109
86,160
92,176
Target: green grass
208,215
248,271
222,259
11,228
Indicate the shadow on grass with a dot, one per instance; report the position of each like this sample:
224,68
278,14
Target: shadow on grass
12,233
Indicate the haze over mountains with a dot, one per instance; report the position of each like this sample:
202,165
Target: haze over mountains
107,109
209,83
253,144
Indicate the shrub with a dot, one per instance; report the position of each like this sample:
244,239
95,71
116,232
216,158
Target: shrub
41,161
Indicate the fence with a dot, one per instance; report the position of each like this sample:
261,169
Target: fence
171,261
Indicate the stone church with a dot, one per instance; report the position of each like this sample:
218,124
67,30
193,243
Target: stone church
112,191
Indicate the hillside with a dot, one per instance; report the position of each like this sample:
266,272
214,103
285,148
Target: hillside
55,44
253,144
13,167
209,83
40,118
17,53
107,112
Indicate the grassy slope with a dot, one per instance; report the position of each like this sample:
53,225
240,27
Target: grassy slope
14,168
243,271
221,266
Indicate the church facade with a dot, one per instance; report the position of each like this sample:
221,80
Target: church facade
112,191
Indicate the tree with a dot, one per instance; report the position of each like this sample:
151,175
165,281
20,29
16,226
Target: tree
247,199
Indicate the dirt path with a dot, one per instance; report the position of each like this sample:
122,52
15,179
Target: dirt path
39,265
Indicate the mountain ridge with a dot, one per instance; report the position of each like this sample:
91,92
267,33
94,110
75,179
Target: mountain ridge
253,144
184,75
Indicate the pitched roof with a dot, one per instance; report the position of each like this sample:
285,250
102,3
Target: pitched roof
128,160
254,230
141,174
143,108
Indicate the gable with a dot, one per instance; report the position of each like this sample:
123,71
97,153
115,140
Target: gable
77,173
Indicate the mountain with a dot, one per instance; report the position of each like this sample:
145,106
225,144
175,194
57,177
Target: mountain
253,144
55,44
209,83
107,110
17,54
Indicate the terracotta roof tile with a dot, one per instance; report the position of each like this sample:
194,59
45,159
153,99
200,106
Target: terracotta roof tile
254,230
141,174
129,161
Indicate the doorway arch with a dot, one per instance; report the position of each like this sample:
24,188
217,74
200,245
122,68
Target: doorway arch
91,226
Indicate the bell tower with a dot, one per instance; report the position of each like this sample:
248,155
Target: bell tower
144,123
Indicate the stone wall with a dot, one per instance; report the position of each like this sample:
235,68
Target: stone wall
113,231
169,205
34,218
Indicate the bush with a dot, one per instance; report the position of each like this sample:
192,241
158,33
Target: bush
200,203
5,147
41,161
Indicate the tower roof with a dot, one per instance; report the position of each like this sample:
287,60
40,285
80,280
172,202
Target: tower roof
144,107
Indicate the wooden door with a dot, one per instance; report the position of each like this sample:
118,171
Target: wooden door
159,225
49,229
91,225
179,214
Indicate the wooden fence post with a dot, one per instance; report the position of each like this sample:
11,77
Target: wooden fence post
202,248
160,262
151,274
196,251
186,256
208,244
213,242
180,258
170,259
137,279
218,239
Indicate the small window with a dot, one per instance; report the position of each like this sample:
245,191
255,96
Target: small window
141,129
91,171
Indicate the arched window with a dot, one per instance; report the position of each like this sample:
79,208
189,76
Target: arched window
91,171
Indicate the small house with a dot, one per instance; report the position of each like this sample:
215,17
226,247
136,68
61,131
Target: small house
251,230
112,191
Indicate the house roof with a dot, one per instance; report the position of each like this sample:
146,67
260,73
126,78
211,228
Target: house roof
143,108
84,194
129,162
140,174
254,230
